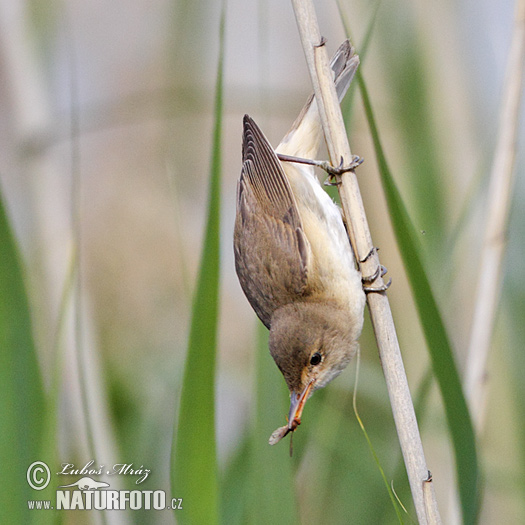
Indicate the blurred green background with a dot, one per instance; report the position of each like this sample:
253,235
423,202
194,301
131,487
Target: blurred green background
106,118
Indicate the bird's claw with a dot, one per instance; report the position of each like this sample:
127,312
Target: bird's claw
377,289
380,271
339,170
373,250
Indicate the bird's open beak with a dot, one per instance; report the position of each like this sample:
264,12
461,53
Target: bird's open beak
297,402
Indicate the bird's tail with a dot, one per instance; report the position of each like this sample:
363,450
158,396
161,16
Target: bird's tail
304,136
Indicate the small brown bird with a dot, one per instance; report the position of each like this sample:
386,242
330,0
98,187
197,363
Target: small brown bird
292,254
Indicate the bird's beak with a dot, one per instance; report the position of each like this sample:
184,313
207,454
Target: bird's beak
297,402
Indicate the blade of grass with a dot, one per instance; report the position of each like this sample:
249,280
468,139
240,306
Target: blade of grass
234,480
515,313
272,480
22,403
49,450
407,75
444,367
194,456
258,486
395,502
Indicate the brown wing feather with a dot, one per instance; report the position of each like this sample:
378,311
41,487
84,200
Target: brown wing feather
267,179
271,249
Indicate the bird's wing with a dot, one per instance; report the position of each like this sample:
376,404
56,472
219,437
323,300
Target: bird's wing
272,253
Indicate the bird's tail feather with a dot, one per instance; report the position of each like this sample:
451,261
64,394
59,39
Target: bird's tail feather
304,136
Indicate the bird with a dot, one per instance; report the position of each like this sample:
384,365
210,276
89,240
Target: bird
293,258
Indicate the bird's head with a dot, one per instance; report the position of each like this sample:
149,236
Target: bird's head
311,344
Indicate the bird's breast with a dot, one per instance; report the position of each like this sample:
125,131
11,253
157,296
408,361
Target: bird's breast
334,272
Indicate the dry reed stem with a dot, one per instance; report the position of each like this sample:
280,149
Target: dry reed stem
494,241
360,238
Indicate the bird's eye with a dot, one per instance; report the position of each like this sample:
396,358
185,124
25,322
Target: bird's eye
316,359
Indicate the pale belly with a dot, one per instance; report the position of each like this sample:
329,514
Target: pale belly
334,262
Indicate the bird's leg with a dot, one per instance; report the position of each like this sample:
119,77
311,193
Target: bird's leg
324,165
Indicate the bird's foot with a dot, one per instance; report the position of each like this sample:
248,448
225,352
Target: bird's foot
325,165
333,172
